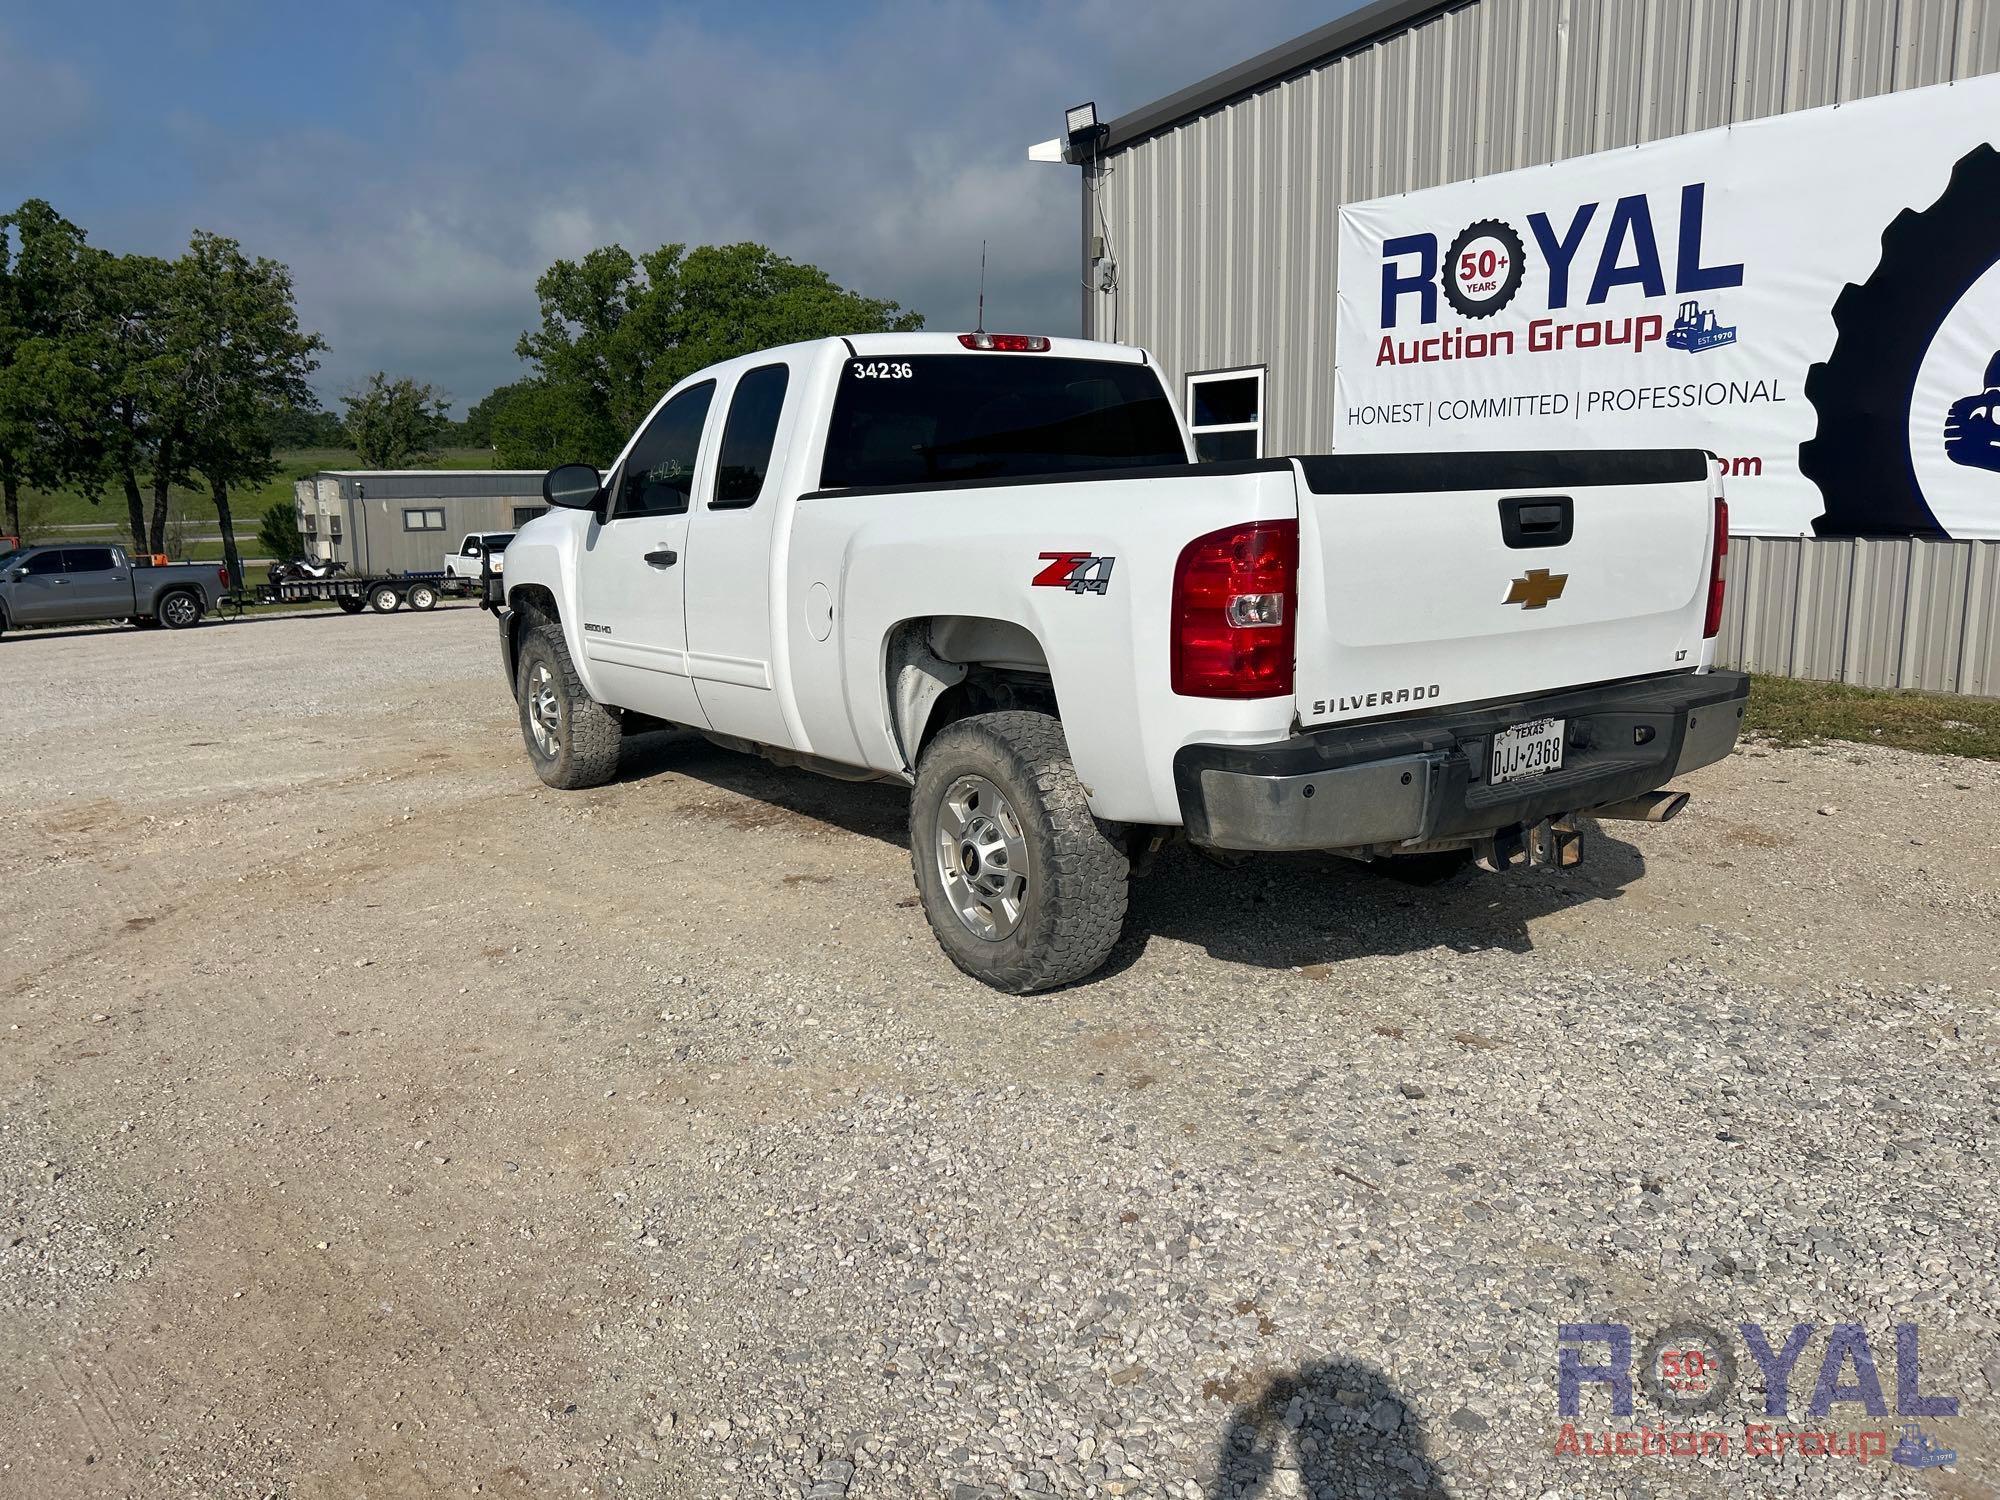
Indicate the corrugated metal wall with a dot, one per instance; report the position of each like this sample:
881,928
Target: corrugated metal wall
1894,613
1225,228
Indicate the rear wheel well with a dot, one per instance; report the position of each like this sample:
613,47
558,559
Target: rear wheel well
987,690
944,668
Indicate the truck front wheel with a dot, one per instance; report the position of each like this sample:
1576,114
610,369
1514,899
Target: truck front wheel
1023,887
572,739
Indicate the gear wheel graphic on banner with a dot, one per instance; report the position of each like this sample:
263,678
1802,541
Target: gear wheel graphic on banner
1860,457
1482,271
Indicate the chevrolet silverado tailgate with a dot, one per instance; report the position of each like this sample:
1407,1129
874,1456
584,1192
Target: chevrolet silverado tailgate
1434,579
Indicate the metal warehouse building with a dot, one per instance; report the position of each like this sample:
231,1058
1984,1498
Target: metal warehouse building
403,520
1210,227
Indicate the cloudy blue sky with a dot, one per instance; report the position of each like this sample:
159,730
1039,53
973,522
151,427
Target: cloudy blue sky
419,165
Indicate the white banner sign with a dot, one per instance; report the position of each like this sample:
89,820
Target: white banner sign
1815,298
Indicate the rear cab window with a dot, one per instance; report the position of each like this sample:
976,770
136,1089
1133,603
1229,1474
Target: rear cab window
749,436
930,418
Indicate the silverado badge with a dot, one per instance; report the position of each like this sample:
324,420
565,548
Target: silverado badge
1535,588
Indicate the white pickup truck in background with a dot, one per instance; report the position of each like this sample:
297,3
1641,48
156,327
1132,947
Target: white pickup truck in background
984,566
468,560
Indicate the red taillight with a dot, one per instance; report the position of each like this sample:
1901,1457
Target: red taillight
1712,626
222,576
1006,343
1235,612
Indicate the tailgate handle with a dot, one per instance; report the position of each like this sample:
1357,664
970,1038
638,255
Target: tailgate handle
1537,520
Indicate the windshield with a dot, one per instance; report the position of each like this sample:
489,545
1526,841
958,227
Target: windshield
984,416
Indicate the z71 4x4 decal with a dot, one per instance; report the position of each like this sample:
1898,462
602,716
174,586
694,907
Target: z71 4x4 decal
1079,572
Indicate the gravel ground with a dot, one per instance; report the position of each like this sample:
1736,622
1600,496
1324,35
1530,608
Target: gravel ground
374,1122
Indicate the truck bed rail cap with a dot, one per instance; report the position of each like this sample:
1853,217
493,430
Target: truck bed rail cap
1418,473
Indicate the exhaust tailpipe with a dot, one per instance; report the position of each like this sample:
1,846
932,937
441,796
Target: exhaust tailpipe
1650,807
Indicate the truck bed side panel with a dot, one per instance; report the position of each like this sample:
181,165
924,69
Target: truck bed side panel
882,557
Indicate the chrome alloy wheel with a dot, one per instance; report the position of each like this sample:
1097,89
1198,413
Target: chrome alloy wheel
179,610
982,858
544,712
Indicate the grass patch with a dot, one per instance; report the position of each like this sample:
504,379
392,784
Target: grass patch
1792,711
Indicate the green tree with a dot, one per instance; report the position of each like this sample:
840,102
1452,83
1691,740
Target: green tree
617,331
476,431
539,426
308,427
248,367
396,424
48,395
141,405
278,531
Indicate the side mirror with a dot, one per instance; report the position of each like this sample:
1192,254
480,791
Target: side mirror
572,486
15,575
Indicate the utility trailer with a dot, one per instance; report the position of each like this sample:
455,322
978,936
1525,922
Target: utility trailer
385,594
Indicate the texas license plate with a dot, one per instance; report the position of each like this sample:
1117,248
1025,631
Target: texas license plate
1527,750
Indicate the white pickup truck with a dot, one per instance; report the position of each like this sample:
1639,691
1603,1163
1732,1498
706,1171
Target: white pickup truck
469,559
984,566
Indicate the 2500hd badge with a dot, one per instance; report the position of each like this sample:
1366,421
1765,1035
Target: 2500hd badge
1387,698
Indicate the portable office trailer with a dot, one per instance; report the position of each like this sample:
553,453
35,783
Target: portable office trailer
404,520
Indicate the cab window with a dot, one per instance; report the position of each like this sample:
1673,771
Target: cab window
749,436
91,559
43,563
659,473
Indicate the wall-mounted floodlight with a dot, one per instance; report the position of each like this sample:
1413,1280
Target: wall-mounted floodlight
1084,133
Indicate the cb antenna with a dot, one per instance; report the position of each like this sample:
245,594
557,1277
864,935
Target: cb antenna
980,326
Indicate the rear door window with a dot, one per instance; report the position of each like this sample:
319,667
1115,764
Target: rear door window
658,476
92,560
750,435
935,417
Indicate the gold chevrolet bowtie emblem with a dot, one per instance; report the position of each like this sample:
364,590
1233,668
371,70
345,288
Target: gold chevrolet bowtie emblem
1535,588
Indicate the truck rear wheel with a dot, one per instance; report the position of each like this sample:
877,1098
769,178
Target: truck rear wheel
1023,887
178,610
572,739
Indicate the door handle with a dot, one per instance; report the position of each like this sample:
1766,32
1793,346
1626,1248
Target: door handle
666,557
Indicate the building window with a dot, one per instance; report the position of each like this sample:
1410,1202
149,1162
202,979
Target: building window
523,514
423,520
1226,414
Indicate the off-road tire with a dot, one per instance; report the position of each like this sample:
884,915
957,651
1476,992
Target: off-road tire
587,748
1860,455
422,596
385,600
178,609
1074,907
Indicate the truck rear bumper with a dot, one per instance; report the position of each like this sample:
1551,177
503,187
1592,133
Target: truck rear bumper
1424,779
